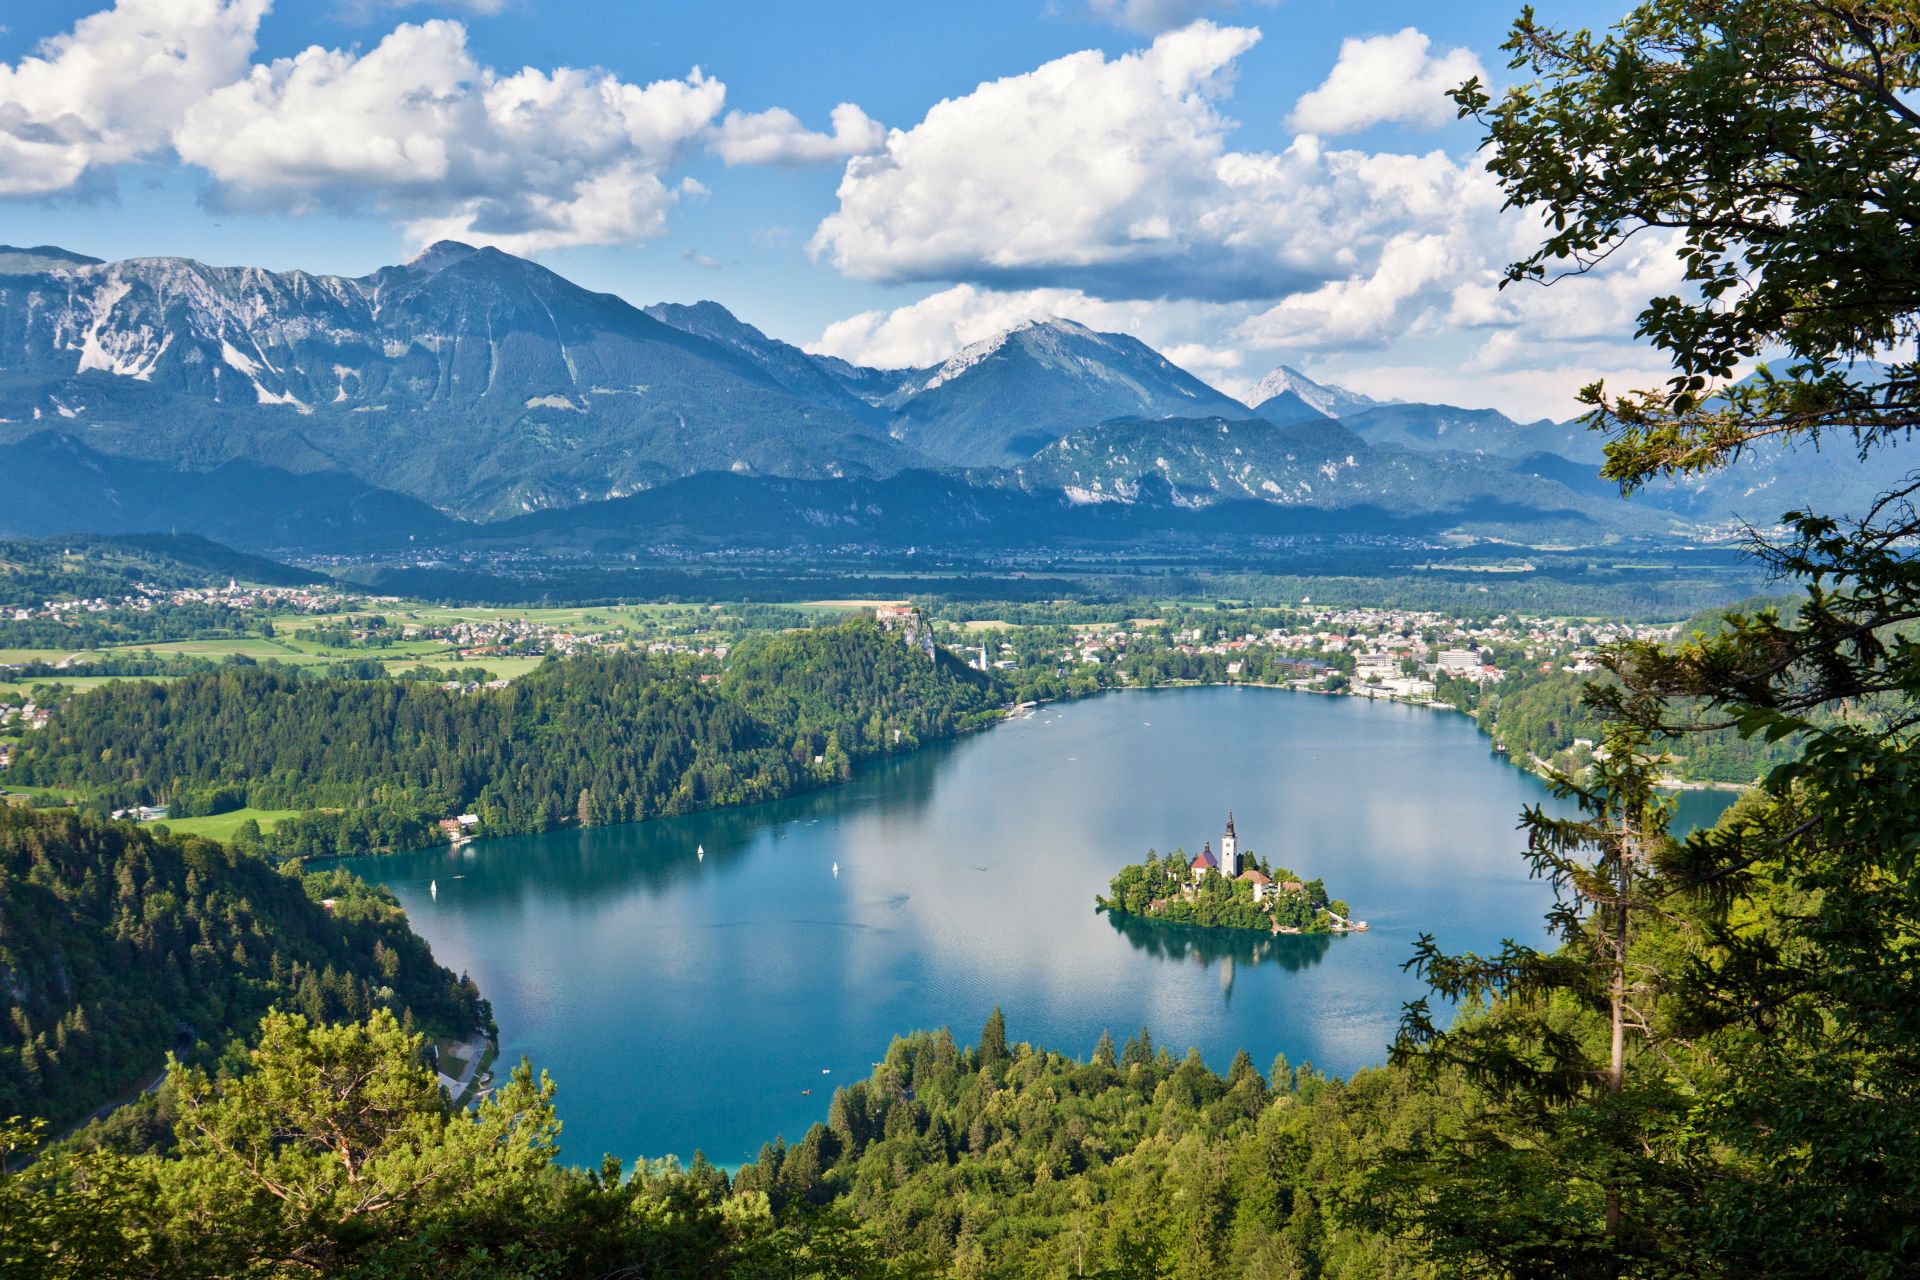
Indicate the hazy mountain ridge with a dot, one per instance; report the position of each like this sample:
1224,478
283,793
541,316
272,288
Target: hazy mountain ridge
946,509
1316,463
1488,432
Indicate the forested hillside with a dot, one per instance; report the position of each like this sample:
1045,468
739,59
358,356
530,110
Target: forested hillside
80,566
116,946
1539,715
613,737
1011,1160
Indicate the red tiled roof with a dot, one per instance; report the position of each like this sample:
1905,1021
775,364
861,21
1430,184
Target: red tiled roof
1254,876
1206,861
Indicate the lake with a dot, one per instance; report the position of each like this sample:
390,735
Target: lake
684,1001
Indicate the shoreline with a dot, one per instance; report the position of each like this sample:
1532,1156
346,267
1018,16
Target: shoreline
1017,711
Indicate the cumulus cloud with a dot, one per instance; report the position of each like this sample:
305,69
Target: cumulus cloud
108,91
1114,176
1087,172
418,129
1104,190
1363,309
1385,79
928,331
777,137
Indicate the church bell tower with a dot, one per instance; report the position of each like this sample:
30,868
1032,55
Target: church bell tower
1230,850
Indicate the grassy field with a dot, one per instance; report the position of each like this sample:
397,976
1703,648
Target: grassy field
37,655
251,646
497,668
70,682
293,646
221,826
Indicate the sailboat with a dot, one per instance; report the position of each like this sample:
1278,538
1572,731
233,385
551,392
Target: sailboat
700,853
433,889
836,871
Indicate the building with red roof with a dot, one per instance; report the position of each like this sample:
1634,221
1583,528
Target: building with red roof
1205,863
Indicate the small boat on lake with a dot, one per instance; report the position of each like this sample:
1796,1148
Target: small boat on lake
700,853
836,871
433,889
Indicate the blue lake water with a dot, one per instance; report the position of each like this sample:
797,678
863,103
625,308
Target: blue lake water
687,1002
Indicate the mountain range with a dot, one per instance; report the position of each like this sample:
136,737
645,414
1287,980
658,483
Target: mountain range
462,394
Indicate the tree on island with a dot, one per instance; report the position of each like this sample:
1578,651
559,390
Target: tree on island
1168,890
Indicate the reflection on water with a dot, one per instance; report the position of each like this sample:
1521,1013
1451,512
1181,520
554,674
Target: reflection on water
651,858
685,1002
1224,949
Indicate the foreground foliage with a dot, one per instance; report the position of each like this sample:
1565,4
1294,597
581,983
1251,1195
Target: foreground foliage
330,1150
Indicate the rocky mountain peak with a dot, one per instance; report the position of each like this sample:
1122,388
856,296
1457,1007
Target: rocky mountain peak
440,255
1335,402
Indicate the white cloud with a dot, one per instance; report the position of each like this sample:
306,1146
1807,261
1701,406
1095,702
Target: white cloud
1546,390
1087,172
1382,79
777,137
1362,309
1103,190
928,331
108,91
417,129
1113,176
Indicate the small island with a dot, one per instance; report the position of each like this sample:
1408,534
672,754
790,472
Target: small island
1232,890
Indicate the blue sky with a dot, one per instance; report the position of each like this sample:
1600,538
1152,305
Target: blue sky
1242,184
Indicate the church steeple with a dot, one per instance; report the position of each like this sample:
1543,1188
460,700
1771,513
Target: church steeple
1230,850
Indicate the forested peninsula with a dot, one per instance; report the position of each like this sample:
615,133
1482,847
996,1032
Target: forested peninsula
373,765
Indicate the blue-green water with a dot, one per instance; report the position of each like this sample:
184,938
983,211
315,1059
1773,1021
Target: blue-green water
684,1002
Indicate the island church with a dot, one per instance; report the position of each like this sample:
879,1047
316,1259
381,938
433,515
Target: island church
1231,865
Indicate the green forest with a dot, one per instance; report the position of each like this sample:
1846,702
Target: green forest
1542,715
601,738
118,946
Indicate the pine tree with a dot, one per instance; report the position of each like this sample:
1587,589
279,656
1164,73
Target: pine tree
993,1040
